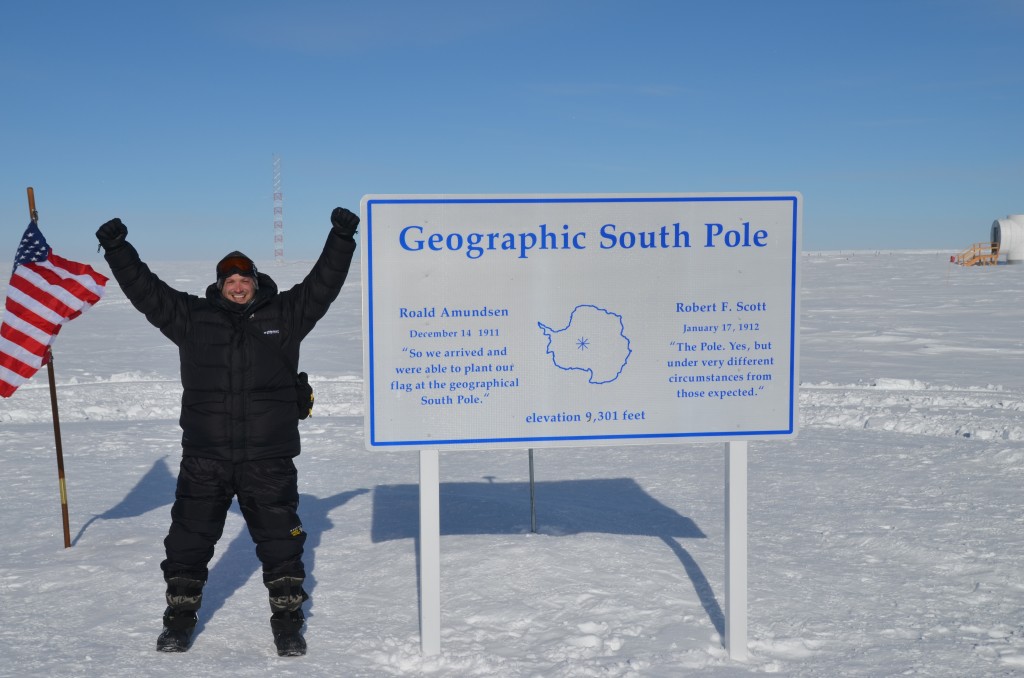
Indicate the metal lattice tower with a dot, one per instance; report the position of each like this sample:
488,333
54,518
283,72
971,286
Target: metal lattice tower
278,213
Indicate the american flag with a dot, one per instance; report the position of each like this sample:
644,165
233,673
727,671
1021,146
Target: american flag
45,292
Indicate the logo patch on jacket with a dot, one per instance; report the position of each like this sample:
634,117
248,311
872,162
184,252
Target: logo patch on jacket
271,331
296,531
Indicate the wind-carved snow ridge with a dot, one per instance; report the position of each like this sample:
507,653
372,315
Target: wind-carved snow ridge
913,406
135,396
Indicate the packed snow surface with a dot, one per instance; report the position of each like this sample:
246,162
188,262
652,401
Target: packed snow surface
886,539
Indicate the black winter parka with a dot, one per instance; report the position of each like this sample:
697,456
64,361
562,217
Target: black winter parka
238,363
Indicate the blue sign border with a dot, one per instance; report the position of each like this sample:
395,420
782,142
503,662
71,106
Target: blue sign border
517,441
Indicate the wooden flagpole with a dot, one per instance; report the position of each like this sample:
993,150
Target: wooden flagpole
53,406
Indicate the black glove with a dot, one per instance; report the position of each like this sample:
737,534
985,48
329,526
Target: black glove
112,234
344,222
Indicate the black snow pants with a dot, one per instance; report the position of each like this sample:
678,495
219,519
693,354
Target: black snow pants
268,497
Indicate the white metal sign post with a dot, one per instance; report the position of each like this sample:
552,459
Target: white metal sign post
430,552
524,321
736,549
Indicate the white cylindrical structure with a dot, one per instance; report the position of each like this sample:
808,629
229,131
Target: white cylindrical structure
1008,233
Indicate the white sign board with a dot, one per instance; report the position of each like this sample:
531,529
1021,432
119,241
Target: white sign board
584,320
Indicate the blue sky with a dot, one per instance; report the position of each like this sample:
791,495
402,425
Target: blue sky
900,121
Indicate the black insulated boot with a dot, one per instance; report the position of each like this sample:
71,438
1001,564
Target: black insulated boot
286,599
287,628
286,594
177,633
184,596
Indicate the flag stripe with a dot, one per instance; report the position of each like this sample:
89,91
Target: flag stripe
18,355
24,318
19,338
59,278
18,367
39,290
44,313
7,388
67,289
87,275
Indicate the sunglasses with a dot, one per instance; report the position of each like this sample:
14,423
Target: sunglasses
239,265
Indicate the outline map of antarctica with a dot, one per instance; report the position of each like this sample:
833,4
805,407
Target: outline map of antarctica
594,340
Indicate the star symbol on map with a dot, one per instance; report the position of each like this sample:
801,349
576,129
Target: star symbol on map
583,343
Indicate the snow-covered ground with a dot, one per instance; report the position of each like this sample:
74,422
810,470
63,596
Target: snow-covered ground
886,539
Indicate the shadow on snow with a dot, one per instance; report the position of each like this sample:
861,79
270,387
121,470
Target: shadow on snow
609,506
